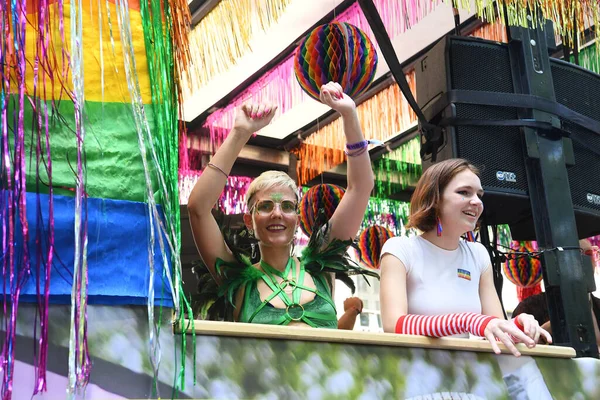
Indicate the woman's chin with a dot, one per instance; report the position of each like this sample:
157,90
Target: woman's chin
470,227
277,242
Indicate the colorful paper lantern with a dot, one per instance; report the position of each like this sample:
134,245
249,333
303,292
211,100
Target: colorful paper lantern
523,270
370,242
338,52
325,197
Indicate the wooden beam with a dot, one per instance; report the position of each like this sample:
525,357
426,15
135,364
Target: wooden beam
262,155
256,331
249,153
200,8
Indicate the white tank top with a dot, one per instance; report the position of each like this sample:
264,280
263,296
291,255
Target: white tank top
440,281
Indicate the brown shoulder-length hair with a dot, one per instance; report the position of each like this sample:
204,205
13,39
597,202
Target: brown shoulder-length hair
425,201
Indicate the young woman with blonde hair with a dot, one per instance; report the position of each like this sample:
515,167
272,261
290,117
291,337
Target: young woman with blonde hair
281,288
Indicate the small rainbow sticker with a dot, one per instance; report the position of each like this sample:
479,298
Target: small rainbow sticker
464,274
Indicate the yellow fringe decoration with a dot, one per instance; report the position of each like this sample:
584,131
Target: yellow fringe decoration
562,12
181,20
223,36
381,117
321,159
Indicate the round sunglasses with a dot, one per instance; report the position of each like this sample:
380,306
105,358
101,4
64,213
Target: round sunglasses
266,207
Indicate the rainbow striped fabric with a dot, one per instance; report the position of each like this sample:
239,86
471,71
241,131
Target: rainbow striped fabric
464,274
117,212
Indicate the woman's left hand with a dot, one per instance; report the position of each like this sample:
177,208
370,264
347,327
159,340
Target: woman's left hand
333,95
532,328
353,302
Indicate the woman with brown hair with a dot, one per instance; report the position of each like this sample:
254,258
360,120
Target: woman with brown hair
437,284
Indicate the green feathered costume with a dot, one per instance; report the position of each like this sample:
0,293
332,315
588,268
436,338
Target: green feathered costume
319,260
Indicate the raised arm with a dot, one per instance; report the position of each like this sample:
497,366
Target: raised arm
349,214
207,235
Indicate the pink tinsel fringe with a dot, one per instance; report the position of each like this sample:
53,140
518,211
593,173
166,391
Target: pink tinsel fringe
232,200
279,85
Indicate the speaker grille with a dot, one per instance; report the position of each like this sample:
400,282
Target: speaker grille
491,149
495,149
578,89
493,74
584,177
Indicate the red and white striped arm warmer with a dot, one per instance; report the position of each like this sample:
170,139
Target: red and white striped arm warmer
443,325
516,321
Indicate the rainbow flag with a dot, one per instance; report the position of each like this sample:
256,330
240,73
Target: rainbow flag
464,274
88,130
115,184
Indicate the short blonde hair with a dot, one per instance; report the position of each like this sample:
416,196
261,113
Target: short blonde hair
269,179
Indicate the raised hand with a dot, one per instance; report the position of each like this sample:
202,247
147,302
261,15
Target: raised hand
333,95
252,117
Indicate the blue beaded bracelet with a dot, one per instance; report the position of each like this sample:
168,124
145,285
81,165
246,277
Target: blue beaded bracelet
356,153
362,144
357,145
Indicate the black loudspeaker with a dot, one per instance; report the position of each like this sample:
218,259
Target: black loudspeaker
459,63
